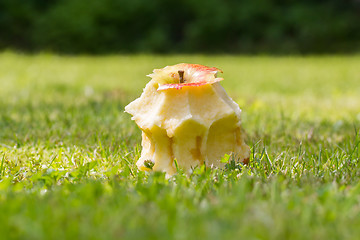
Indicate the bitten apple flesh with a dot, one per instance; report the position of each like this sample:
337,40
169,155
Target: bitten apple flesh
185,114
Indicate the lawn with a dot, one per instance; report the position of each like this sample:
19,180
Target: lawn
68,152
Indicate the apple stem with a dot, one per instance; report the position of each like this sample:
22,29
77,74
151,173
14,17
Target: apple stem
181,76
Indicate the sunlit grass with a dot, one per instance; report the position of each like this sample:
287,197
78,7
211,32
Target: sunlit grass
68,152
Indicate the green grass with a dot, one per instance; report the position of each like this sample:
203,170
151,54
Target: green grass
68,152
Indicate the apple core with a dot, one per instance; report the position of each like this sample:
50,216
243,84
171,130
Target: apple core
185,114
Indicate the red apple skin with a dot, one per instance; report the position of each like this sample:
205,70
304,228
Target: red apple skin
199,67
195,75
181,85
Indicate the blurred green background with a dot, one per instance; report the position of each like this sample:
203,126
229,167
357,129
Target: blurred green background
188,26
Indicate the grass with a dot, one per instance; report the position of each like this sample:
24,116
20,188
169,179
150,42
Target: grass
67,152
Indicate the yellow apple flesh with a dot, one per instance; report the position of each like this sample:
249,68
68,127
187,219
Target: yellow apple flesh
194,122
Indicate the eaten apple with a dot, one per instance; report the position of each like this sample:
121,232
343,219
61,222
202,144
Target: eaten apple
185,114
